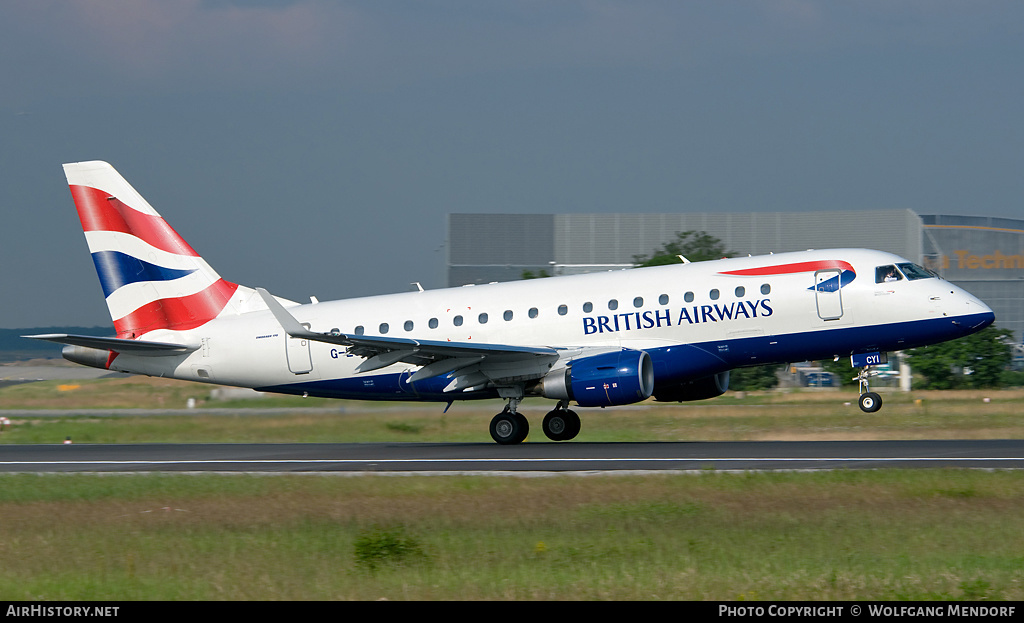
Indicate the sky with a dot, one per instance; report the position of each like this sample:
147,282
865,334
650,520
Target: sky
316,147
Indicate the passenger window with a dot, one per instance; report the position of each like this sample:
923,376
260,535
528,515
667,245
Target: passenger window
714,295
740,291
482,318
885,274
638,301
508,314
765,288
613,304
562,310
588,307
533,312
663,299
457,321
359,330
688,297
432,323
408,325
383,328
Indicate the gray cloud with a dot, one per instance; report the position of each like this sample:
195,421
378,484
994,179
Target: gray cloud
315,147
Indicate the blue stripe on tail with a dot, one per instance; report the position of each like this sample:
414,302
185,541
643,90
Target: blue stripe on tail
117,269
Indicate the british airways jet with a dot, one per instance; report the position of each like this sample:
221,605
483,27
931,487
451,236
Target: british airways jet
596,340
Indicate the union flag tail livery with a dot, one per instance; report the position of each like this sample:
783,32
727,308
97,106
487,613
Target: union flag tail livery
152,279
671,333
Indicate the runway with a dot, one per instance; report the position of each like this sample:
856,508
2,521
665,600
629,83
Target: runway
524,459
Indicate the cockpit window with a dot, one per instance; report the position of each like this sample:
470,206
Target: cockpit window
884,274
915,272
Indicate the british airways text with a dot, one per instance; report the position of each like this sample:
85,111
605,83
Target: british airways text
698,314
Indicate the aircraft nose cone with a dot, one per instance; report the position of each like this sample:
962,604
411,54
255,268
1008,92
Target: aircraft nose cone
981,314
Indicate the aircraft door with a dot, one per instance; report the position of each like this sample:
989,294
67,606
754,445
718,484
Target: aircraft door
828,294
297,352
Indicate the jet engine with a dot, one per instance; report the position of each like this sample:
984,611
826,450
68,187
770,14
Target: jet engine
697,389
617,378
92,357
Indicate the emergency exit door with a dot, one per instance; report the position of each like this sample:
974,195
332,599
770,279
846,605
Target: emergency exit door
297,351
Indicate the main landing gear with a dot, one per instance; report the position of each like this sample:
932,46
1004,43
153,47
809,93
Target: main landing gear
510,427
869,401
561,424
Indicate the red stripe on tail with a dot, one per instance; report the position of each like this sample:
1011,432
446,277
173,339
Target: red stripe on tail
98,211
179,313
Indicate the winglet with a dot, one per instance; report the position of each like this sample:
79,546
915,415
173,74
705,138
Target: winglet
288,322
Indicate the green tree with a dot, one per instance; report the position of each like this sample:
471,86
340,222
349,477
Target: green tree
842,369
696,246
753,378
529,274
971,362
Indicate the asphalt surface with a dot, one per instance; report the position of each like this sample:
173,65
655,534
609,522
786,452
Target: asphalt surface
527,458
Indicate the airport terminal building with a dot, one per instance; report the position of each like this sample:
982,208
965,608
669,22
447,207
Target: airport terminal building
983,255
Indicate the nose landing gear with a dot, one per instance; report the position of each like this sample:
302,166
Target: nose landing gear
869,401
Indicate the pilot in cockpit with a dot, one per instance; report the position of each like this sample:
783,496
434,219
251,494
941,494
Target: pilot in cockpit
886,274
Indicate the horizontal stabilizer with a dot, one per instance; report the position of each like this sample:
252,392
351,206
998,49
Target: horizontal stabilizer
137,347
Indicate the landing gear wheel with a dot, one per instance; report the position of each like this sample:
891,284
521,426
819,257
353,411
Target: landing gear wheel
870,402
573,428
509,428
561,425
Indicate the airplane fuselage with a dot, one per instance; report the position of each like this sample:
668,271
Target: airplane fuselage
694,320
603,339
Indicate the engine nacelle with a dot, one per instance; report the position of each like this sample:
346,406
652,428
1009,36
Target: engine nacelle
697,389
618,378
92,357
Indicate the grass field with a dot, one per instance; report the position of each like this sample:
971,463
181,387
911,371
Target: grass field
837,535
914,534
770,416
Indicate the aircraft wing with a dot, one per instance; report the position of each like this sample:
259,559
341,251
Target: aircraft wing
136,347
474,363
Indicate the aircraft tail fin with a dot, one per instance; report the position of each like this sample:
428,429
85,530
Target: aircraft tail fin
151,277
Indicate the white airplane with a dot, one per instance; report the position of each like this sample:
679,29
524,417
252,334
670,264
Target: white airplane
597,340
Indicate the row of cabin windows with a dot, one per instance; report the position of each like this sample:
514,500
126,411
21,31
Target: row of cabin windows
588,307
